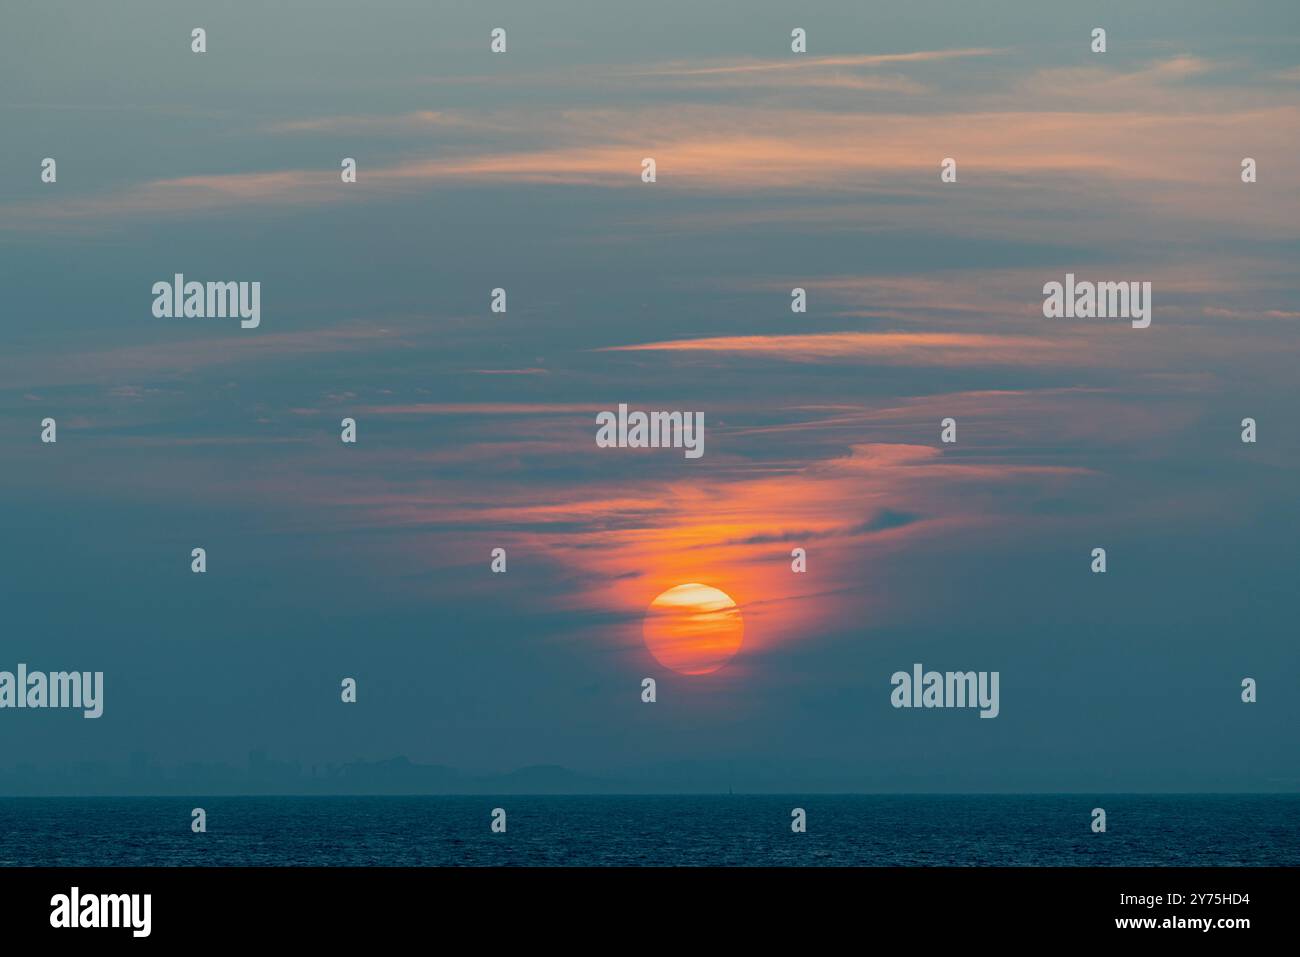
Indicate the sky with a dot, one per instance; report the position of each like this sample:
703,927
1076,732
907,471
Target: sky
476,430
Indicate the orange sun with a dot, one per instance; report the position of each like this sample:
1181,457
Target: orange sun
693,629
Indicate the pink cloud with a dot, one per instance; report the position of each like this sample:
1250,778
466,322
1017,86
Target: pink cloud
911,348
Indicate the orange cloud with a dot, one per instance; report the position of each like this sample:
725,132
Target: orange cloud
909,348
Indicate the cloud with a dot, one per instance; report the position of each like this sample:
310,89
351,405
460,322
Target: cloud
905,348
806,63
174,360
1142,131
415,121
484,408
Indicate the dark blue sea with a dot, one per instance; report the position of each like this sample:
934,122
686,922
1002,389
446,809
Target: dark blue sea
852,830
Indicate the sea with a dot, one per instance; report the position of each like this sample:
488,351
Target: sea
660,830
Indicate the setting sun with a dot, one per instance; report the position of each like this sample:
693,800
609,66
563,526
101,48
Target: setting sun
693,629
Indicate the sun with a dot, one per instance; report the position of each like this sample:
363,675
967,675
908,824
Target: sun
693,629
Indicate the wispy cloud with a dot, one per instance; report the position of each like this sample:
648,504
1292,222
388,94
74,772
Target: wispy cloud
1062,124
413,122
811,63
910,348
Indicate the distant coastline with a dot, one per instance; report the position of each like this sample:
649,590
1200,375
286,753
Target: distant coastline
263,776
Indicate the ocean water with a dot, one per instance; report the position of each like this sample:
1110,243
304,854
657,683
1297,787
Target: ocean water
843,830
